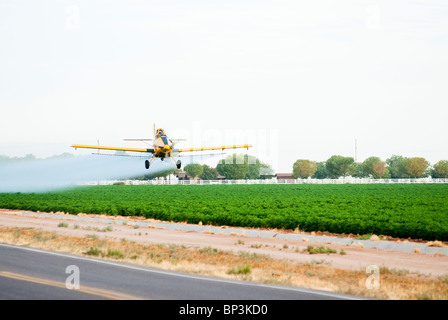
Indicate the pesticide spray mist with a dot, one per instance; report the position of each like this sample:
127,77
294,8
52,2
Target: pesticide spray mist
52,174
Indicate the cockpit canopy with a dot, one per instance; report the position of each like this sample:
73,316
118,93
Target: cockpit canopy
160,132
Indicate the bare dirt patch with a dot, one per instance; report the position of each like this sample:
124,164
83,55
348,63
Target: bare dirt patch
341,268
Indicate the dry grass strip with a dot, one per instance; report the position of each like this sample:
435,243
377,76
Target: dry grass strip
394,284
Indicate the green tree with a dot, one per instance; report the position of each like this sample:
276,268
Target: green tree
338,166
304,168
233,167
193,170
397,166
440,169
241,166
208,173
416,167
321,171
254,167
266,171
357,170
374,167
367,166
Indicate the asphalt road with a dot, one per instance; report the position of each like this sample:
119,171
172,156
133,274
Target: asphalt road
28,274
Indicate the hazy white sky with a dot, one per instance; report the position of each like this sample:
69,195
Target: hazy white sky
297,79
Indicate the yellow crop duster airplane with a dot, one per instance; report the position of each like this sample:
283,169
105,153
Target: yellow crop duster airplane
162,148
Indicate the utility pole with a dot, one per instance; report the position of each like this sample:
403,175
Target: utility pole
356,150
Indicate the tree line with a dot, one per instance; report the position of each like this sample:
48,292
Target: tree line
395,167
242,166
233,167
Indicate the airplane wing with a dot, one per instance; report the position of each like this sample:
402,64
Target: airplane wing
215,148
145,139
152,150
112,148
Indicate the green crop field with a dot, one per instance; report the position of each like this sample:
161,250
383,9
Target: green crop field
399,210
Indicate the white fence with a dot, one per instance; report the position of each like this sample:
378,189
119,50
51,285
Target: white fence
348,180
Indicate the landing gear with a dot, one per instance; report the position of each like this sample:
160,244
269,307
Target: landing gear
177,163
148,162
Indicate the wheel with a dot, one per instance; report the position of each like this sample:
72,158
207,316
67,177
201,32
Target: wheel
147,164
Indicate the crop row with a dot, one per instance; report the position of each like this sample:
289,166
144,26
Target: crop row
414,211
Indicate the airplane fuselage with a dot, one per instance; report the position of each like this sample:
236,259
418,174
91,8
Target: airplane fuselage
162,145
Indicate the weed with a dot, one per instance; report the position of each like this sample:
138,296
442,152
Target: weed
315,250
242,269
443,278
253,256
208,250
394,271
44,236
114,253
93,251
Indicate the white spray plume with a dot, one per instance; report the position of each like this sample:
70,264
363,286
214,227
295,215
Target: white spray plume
51,174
